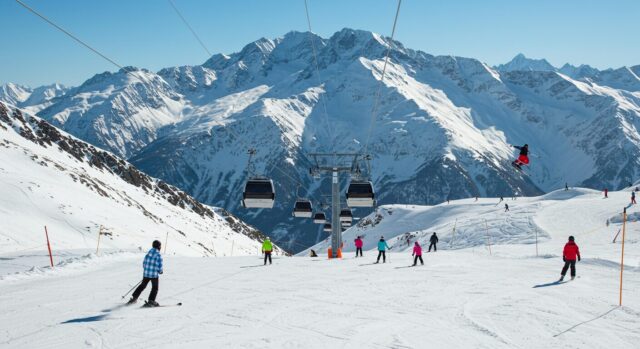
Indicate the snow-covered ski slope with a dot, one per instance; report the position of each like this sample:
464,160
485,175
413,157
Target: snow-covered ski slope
48,178
550,218
464,297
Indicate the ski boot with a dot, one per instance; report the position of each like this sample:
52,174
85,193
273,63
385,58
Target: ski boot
573,277
151,304
132,301
561,278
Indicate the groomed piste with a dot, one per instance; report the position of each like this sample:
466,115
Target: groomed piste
466,295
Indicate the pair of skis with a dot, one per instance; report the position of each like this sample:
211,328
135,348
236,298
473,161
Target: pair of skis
148,305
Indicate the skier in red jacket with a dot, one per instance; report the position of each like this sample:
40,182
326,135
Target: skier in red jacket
569,254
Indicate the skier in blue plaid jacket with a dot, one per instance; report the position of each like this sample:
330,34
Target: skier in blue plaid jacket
152,268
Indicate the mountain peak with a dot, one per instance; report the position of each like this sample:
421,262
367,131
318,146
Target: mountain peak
521,62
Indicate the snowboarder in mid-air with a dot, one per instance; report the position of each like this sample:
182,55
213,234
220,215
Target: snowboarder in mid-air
382,247
152,268
267,248
569,254
523,158
434,241
359,243
417,254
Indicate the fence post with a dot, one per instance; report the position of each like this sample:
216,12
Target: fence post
486,226
536,241
453,235
46,233
166,239
99,234
624,221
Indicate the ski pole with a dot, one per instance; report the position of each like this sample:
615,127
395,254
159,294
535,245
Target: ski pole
132,288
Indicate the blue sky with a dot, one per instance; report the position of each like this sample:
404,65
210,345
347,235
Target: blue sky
147,33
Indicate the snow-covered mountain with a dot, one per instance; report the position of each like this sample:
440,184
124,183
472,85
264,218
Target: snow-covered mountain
444,125
120,111
520,62
14,94
624,78
50,178
32,99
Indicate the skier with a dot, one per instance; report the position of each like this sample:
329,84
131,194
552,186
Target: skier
417,254
152,268
506,207
569,254
359,243
633,197
267,248
434,241
523,158
382,246
566,186
606,193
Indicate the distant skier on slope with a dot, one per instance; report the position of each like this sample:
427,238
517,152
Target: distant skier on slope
633,197
382,247
417,254
606,193
267,248
506,207
152,268
359,243
434,240
523,158
569,254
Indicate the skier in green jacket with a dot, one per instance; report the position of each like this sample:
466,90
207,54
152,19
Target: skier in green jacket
267,248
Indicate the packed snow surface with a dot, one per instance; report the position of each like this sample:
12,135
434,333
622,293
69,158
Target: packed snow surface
465,296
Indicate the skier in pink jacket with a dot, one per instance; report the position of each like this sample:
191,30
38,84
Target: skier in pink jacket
417,253
359,243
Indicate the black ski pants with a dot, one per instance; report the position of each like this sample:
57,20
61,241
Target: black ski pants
267,255
415,260
143,285
384,257
568,264
435,248
358,251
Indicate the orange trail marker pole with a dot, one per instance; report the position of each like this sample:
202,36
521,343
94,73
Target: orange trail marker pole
624,221
46,233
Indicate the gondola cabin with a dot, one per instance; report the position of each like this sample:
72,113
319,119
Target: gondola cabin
259,193
319,218
303,209
360,194
346,216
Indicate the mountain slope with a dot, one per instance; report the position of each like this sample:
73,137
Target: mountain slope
443,126
50,178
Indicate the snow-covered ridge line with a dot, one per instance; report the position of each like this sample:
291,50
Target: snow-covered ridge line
80,164
46,135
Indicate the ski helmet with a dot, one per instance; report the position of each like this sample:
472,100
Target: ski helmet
156,244
571,238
